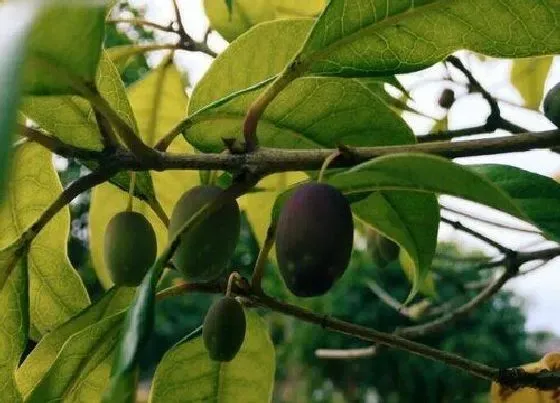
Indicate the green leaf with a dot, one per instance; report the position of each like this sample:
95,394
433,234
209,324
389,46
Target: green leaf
72,120
311,112
38,362
411,219
536,195
231,19
81,369
186,372
401,36
529,76
56,290
66,40
15,323
15,23
424,173
159,102
138,326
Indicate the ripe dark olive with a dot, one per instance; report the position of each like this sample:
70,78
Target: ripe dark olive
383,250
314,239
130,248
447,98
551,105
205,250
223,330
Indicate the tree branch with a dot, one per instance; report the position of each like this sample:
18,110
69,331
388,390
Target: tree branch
459,226
141,22
57,146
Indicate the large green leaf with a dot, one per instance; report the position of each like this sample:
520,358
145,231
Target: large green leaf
379,37
81,369
159,102
65,41
311,112
411,219
424,173
187,374
56,291
15,323
529,76
15,23
231,20
536,195
38,362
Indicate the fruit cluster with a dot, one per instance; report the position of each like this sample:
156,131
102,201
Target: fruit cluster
314,237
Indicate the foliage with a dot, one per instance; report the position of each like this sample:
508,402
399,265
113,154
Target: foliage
289,97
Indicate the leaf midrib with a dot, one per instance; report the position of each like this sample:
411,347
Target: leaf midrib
364,31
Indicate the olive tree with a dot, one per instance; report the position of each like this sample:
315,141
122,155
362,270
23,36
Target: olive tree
299,123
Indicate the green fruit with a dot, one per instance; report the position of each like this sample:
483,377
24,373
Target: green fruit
314,239
383,250
447,98
130,248
223,330
551,105
204,250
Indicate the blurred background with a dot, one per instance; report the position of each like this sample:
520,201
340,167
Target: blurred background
518,326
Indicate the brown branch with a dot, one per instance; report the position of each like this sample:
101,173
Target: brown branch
57,146
73,190
459,226
474,368
446,319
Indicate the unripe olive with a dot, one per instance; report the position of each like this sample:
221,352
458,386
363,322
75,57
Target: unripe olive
447,98
383,250
551,105
130,248
223,330
314,239
205,249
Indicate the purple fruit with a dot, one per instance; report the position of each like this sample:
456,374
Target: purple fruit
314,237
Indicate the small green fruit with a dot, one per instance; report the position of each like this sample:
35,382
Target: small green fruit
130,248
223,330
447,98
314,238
205,250
551,105
383,250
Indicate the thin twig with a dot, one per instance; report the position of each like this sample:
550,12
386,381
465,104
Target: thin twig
350,354
446,319
141,22
59,147
258,271
459,226
490,222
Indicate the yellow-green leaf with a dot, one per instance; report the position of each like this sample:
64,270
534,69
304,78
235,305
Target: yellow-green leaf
247,13
15,323
56,290
529,76
38,362
65,41
81,369
186,372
